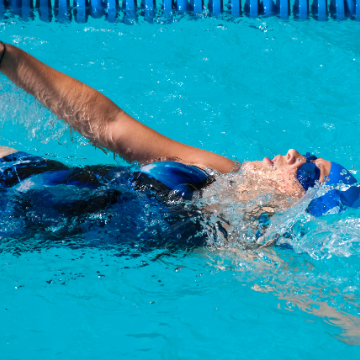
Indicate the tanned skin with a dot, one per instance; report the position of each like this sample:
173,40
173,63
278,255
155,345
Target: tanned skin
97,118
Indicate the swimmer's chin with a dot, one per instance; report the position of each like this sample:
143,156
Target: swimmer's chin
267,176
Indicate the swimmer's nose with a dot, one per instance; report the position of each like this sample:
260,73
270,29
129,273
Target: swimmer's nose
293,156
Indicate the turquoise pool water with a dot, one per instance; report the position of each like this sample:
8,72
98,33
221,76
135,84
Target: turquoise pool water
246,89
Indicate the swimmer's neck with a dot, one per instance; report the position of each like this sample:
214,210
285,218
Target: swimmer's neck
5,151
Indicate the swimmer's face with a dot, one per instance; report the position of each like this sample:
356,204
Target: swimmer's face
281,171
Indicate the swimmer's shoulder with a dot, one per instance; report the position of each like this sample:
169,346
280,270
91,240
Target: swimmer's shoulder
5,151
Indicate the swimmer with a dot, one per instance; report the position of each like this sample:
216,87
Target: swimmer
170,162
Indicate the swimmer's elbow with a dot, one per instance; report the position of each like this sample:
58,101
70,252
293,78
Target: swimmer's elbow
114,134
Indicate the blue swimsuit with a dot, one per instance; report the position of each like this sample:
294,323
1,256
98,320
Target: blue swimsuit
46,200
23,171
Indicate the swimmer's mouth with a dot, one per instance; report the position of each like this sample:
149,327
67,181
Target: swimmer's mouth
271,162
268,161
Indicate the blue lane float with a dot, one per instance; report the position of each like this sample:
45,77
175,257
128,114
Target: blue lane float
181,6
196,6
301,9
234,7
96,8
251,8
148,7
80,10
357,12
129,8
350,8
166,7
62,11
14,4
2,8
337,9
215,7
111,8
27,10
44,9
267,8
283,8
319,10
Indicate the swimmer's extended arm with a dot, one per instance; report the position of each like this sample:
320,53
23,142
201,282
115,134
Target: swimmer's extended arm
97,118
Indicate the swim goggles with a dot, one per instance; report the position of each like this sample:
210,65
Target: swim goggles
308,173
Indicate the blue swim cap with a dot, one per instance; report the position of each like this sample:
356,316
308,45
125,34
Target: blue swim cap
333,198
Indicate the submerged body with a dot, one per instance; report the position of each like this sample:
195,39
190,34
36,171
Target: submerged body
52,200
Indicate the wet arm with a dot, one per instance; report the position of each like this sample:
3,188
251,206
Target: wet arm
96,117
